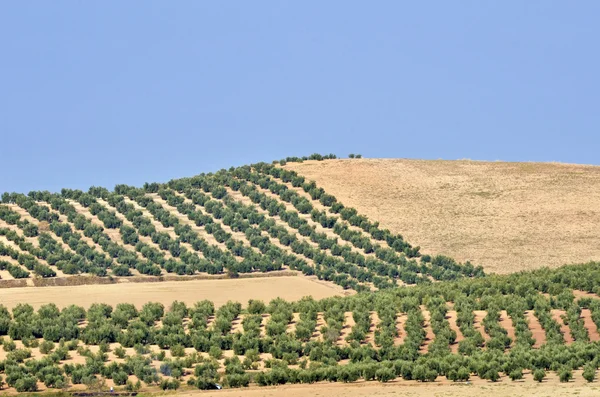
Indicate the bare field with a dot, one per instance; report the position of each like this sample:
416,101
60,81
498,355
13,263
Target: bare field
218,291
505,388
504,216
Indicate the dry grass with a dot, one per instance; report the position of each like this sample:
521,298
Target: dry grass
218,291
505,216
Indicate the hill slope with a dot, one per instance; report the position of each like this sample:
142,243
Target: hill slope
504,216
243,221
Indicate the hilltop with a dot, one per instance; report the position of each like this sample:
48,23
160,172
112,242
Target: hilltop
504,216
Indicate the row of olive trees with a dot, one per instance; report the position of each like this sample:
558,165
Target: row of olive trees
181,326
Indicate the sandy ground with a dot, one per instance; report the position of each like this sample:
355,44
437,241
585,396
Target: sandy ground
505,388
218,291
504,216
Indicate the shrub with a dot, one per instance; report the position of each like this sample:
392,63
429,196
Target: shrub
170,384
120,352
387,374
463,374
589,373
516,374
26,384
215,352
565,374
132,387
121,271
166,369
177,351
539,375
46,347
237,380
120,378
256,306
424,374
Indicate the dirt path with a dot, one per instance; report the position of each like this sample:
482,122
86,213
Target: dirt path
400,323
478,323
263,324
370,338
429,331
317,332
291,327
236,325
347,328
507,324
590,325
564,329
451,317
536,329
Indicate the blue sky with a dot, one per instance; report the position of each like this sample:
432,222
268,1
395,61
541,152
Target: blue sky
100,93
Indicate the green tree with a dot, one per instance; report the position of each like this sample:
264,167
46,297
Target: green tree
516,374
386,374
565,374
539,374
26,384
589,372
46,347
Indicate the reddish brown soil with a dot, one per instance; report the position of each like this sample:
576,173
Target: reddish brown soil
590,325
564,329
536,329
507,324
451,316
400,322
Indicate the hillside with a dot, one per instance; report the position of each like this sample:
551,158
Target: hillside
506,217
250,221
257,276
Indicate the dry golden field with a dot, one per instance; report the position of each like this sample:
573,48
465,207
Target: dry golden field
550,387
504,216
218,291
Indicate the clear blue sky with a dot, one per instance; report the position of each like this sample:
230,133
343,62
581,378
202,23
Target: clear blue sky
107,92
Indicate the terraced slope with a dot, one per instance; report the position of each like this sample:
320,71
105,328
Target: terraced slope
506,217
257,219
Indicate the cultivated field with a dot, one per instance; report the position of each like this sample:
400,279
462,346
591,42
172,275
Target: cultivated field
506,217
189,292
550,388
256,276
250,221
